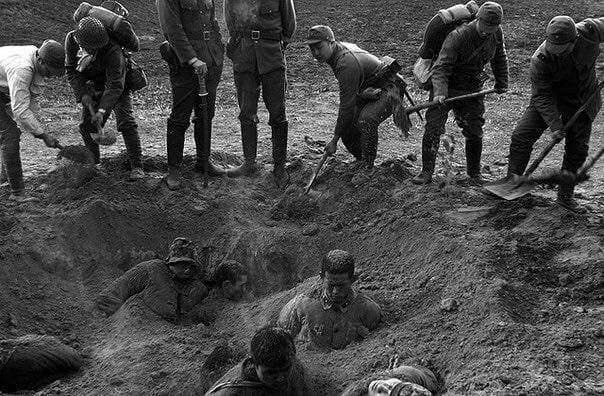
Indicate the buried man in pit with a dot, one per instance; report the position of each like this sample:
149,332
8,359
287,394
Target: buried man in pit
563,76
171,288
370,91
272,369
332,314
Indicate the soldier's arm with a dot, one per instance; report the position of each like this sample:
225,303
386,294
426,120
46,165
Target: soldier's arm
75,78
372,314
130,283
19,82
171,25
593,29
289,317
443,67
499,63
288,19
349,81
115,78
542,93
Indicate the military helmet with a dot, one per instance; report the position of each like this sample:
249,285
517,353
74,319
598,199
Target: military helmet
182,249
91,34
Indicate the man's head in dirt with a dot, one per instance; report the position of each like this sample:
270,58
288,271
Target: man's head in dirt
50,59
337,273
182,260
232,278
561,34
488,18
91,34
321,41
273,352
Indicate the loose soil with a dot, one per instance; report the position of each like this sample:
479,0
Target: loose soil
526,275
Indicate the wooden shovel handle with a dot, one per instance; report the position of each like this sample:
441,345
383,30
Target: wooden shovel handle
566,126
412,109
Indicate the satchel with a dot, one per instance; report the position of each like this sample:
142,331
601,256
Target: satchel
136,78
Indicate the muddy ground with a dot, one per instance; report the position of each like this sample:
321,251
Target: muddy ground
527,275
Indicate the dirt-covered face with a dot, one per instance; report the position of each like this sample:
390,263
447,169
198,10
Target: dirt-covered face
235,291
182,270
274,377
337,287
322,50
484,30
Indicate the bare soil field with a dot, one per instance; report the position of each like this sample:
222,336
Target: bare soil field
527,275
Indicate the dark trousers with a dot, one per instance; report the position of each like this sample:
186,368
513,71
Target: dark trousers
185,86
468,116
362,139
10,155
530,128
126,125
273,93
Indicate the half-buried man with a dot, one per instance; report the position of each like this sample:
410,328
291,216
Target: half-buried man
332,314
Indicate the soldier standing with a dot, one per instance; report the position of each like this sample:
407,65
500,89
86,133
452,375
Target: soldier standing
195,48
259,33
459,70
562,76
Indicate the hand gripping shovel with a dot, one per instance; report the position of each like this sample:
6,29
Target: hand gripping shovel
511,188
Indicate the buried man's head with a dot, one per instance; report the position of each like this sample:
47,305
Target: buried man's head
337,272
231,278
182,259
273,353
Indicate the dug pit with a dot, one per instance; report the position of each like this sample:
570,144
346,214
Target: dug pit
491,295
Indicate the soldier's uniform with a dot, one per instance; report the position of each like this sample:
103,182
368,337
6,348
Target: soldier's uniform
458,70
318,320
102,75
559,86
242,380
259,32
161,293
358,116
191,29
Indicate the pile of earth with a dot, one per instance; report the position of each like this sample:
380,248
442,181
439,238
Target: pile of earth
492,295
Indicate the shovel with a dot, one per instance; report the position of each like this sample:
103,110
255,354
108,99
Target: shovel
316,173
76,153
565,177
203,124
433,103
511,188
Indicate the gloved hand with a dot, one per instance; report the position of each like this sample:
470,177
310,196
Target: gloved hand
331,147
49,141
97,118
199,67
440,99
500,90
87,100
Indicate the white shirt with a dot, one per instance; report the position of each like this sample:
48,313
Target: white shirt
20,80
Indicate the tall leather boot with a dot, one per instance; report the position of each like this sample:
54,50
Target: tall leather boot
566,199
173,179
279,139
175,141
133,147
430,145
473,155
249,141
199,145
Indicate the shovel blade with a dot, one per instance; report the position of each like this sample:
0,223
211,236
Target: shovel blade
77,153
510,189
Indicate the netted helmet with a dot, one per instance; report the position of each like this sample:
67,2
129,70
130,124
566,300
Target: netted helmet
182,249
91,34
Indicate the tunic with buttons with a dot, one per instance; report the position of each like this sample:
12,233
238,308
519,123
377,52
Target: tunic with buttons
160,291
275,24
325,324
191,28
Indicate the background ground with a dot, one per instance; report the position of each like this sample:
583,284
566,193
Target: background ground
527,275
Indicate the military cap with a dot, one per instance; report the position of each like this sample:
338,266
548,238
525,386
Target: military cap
560,31
181,250
319,33
53,54
490,13
91,34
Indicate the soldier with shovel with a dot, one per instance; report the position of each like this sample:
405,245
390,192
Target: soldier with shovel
22,70
563,77
458,70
